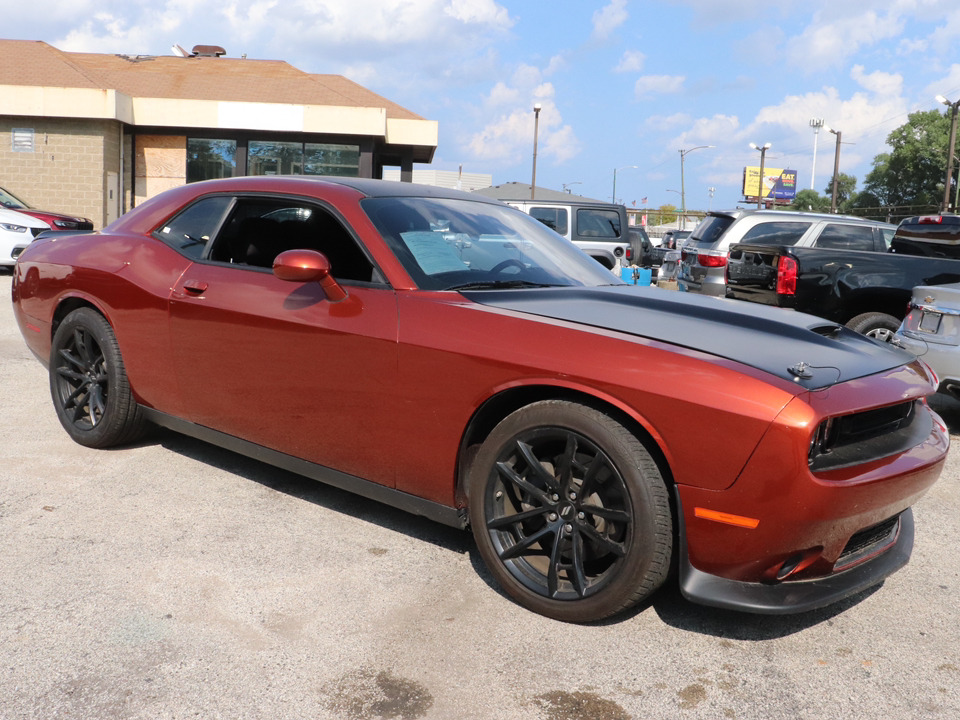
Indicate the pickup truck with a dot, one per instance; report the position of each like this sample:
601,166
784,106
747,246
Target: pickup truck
868,291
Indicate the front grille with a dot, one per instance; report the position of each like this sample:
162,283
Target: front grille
868,435
36,231
868,542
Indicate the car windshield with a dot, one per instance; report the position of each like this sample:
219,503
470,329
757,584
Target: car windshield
447,244
10,201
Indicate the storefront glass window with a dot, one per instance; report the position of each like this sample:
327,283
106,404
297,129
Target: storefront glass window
208,159
325,159
274,158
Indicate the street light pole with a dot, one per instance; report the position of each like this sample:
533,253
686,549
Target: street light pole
616,170
683,192
953,137
536,129
816,124
763,156
836,168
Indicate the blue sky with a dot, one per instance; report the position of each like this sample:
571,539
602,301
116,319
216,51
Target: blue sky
621,82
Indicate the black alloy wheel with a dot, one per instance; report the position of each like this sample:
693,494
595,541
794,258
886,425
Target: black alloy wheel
570,512
89,384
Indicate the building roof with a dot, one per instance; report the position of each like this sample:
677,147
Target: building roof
38,64
521,191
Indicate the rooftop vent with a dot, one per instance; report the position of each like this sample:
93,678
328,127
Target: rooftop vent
208,51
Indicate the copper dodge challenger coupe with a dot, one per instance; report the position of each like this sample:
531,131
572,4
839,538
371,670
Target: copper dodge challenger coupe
451,356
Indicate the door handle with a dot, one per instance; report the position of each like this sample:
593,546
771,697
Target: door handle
194,287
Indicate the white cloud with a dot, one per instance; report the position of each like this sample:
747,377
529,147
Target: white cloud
946,85
632,61
658,85
879,83
484,12
829,40
508,137
715,130
608,19
665,123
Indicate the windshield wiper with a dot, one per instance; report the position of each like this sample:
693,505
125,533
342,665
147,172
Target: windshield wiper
500,285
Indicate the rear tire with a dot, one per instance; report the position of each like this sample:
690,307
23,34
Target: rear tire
89,383
570,512
877,325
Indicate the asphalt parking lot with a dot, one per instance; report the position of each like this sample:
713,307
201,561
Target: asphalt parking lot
174,579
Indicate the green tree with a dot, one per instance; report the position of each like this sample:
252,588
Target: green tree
666,214
846,191
912,172
808,200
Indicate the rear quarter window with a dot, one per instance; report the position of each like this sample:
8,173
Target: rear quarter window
710,230
776,233
846,237
190,231
598,223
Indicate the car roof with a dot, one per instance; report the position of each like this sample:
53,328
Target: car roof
744,212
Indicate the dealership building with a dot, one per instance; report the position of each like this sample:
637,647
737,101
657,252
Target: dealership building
95,135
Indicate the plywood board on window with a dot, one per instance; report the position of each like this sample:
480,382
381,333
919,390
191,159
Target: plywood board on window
161,156
146,187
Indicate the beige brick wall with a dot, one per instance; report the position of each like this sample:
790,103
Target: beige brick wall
67,170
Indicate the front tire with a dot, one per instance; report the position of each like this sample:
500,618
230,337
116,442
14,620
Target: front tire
570,512
876,325
89,384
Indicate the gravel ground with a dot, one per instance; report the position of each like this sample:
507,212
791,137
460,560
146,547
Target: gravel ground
173,579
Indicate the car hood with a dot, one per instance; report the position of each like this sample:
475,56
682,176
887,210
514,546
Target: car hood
16,217
807,350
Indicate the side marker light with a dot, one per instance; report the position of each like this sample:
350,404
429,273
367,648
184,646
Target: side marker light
726,518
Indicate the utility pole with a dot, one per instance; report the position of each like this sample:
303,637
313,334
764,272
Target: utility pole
836,168
816,124
763,155
536,128
953,137
683,192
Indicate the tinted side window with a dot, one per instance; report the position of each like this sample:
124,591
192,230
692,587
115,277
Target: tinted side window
846,237
598,223
189,232
259,229
776,233
553,218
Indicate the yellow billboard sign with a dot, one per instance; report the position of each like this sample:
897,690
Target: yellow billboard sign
778,183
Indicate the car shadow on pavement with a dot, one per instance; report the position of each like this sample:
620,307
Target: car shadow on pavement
678,612
669,604
314,491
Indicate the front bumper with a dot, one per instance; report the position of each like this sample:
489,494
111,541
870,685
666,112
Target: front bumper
784,537
795,596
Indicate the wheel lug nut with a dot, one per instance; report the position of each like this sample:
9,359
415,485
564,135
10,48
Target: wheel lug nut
568,528
573,496
499,494
551,517
556,497
580,516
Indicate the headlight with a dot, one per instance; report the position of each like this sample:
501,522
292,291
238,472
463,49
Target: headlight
13,228
69,224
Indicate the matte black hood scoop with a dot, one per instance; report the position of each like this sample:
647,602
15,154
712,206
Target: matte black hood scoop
804,349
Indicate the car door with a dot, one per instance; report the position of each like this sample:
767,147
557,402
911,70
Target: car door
275,362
